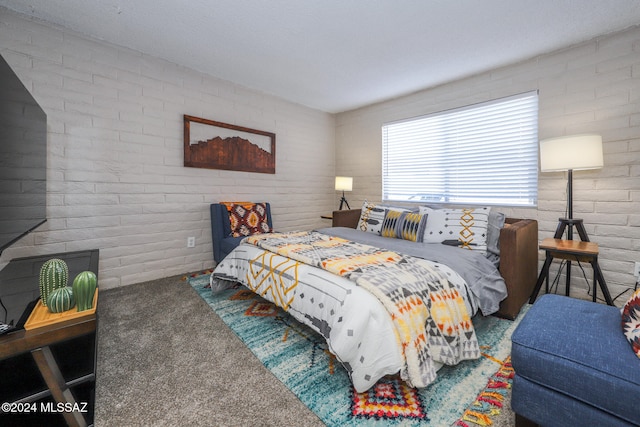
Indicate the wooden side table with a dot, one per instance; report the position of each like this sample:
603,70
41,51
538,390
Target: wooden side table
38,340
571,250
48,363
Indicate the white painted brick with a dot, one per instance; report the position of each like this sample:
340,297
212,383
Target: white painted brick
162,218
116,125
89,110
622,43
57,92
45,49
120,105
607,218
575,57
624,62
94,176
92,222
138,138
88,210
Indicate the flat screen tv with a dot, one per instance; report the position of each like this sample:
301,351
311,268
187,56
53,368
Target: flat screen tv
23,159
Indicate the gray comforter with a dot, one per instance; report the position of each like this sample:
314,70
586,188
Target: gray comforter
483,279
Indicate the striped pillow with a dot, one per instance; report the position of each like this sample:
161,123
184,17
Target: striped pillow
404,225
411,226
392,220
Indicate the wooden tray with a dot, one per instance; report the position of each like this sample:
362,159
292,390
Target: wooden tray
41,316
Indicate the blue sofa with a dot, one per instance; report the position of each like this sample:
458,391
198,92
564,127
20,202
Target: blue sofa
573,366
223,242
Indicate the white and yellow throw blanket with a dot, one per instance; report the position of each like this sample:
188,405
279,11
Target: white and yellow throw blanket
430,318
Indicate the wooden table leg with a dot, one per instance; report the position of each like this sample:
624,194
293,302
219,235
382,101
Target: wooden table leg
56,383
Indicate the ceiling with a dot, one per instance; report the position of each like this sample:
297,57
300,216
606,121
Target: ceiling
337,55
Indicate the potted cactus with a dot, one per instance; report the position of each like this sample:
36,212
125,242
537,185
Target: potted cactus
54,274
84,286
60,299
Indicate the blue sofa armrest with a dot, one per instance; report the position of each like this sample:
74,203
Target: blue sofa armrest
223,242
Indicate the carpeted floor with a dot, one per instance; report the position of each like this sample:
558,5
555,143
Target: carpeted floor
156,339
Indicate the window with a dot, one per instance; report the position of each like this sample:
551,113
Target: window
480,154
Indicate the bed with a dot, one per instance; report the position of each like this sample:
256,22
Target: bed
375,332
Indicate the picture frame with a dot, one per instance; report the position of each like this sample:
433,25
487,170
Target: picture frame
215,145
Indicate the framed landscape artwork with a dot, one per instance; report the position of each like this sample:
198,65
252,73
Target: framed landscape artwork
215,145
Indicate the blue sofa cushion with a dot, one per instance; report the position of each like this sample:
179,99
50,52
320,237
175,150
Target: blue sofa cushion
577,348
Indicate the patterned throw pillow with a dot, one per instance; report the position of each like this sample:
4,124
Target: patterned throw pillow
631,321
372,216
248,219
412,226
404,225
466,227
391,222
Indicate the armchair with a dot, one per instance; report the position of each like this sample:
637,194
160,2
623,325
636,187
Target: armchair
223,242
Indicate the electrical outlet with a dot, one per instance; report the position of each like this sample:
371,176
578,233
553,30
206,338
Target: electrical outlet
191,242
636,269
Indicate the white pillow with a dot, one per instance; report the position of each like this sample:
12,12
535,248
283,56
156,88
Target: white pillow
372,217
464,227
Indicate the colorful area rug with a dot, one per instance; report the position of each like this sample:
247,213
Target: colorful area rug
469,394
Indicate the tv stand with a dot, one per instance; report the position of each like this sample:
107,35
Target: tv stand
48,371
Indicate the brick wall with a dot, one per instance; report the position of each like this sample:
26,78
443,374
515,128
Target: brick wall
591,87
116,179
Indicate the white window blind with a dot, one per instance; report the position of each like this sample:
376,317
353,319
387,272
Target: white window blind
480,154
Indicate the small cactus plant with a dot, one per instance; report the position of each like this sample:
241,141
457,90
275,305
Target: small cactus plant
54,274
84,286
60,299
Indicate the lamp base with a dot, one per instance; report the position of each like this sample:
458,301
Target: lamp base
563,223
343,201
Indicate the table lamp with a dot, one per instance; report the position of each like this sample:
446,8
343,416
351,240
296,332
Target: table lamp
569,153
344,183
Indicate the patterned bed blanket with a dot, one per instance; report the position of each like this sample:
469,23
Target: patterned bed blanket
430,318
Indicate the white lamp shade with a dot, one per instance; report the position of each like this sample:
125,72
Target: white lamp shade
571,152
344,183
